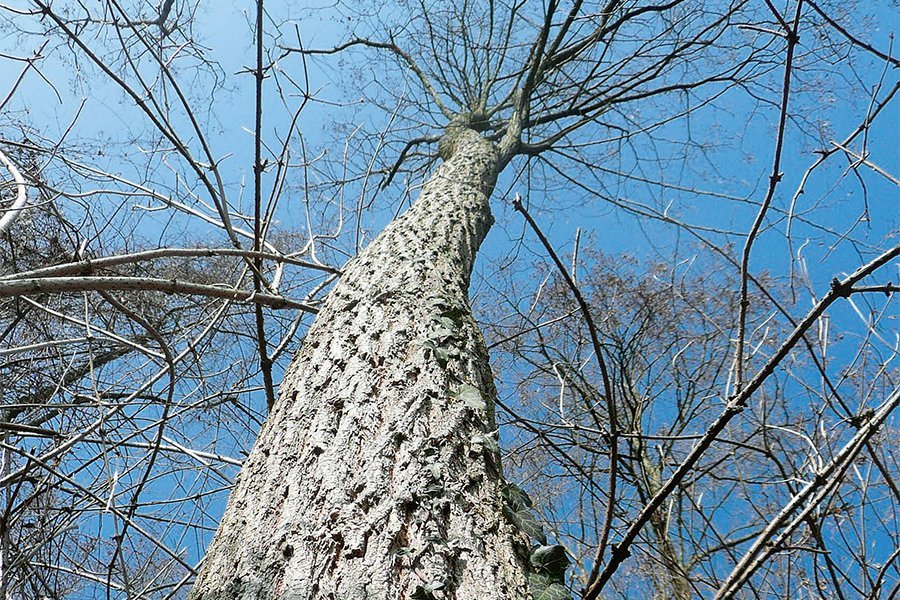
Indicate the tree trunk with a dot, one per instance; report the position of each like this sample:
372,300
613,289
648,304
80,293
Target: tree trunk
373,476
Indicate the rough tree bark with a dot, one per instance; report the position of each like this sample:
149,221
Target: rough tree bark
373,476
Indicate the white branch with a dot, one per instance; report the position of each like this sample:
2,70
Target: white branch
13,211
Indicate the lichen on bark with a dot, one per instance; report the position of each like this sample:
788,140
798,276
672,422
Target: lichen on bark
371,478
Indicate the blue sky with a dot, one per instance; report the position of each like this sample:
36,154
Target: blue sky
731,156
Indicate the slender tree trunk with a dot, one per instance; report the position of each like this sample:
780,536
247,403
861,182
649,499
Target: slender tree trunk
673,580
372,477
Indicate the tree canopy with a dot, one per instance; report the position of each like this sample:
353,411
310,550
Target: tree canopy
687,294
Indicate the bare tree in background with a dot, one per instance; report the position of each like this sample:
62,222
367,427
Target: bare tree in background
695,426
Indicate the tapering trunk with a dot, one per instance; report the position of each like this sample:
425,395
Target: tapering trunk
372,477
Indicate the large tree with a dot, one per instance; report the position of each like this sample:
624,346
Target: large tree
371,477
377,472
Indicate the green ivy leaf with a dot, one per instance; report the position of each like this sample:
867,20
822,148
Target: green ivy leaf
542,588
516,498
488,441
471,395
421,593
551,560
426,592
456,313
442,355
442,333
434,490
448,323
439,301
525,521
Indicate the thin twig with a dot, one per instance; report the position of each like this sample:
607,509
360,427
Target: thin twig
776,176
607,385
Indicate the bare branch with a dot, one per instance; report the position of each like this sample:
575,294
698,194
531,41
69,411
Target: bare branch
50,285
